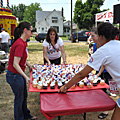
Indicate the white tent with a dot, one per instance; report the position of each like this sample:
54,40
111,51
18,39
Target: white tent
104,16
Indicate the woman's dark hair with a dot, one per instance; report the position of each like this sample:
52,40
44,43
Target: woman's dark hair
48,37
107,30
19,29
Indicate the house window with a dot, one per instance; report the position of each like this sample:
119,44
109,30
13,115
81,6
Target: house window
64,30
39,28
68,29
46,29
54,19
42,29
56,27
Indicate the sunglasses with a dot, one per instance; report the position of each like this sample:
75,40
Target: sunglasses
32,31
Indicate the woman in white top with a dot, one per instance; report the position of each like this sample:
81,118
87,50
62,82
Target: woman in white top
107,55
51,48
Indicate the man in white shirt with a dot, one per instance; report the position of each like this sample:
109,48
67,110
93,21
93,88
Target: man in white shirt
4,40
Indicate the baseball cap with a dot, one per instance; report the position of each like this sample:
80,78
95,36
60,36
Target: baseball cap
3,29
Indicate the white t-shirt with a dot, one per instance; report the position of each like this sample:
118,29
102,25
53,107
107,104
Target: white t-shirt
109,56
5,37
51,52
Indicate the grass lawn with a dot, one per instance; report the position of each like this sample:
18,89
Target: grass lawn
65,38
75,52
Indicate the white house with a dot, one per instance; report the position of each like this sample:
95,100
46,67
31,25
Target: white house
47,19
67,27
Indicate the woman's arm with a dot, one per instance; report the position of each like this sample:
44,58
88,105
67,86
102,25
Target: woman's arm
29,66
18,68
45,55
79,76
63,53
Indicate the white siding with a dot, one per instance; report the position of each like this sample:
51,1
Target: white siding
43,25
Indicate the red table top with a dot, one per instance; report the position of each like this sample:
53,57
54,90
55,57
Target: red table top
31,89
56,104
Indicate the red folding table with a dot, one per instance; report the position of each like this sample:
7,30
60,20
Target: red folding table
56,104
75,101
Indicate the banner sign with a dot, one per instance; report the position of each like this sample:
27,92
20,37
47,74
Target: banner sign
105,16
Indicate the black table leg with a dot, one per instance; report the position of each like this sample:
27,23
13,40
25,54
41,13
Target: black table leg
58,117
84,116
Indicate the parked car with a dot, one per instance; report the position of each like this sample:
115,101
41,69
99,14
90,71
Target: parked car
40,37
88,33
82,36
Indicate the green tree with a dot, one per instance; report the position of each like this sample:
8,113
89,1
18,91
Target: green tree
14,10
21,10
30,13
18,11
84,13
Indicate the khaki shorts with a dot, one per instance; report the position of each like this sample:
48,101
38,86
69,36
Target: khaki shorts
5,47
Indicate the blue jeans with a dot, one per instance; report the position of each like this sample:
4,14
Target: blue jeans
18,85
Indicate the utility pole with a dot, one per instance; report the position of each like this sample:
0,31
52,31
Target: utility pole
77,27
71,23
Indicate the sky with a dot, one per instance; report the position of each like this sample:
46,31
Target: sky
50,5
